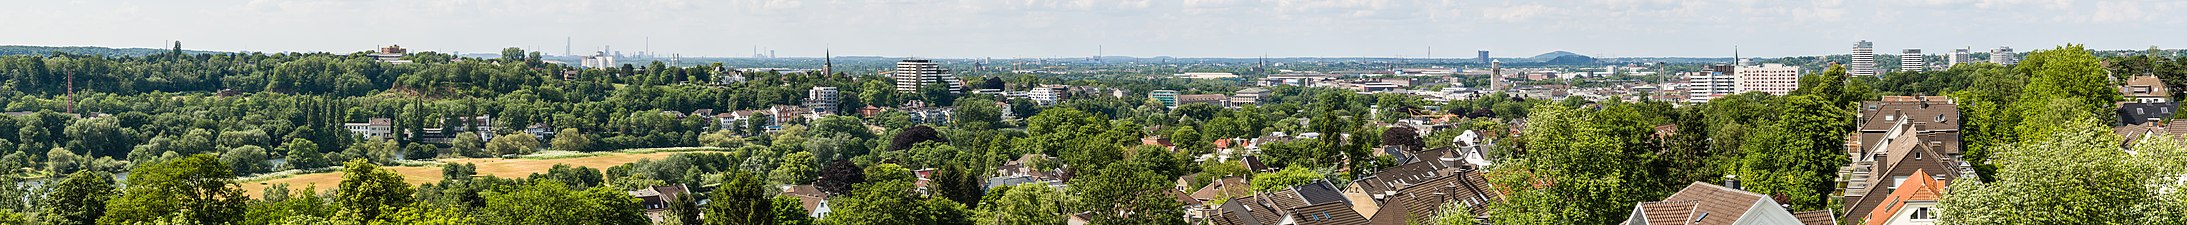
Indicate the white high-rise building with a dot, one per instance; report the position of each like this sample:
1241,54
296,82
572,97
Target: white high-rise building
822,99
2004,56
1959,56
1864,59
1911,60
1772,78
1711,82
911,74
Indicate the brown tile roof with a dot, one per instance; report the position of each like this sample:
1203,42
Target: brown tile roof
2130,133
1229,186
1817,217
810,203
1182,197
804,190
1668,212
1468,189
1712,205
2146,86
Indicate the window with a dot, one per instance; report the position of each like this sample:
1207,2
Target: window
1895,180
1917,155
1922,213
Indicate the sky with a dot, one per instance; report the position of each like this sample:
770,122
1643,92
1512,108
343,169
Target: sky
1082,28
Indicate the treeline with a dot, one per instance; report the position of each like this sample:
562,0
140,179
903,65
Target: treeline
2037,127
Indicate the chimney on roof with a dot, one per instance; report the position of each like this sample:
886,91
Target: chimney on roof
1924,101
1731,181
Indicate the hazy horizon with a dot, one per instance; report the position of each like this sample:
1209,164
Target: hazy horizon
1454,29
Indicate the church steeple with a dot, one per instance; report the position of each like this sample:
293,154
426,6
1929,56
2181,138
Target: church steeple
827,62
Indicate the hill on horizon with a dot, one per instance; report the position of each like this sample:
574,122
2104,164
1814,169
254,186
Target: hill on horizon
6,50
1554,55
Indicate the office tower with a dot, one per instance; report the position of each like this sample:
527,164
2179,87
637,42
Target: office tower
1911,60
911,74
2003,55
1711,82
1483,56
1772,78
1864,59
1959,56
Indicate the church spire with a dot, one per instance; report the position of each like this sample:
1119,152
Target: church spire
827,62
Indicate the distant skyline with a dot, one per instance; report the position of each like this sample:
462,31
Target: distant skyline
1083,28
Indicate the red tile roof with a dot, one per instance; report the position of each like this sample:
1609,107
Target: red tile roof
1912,190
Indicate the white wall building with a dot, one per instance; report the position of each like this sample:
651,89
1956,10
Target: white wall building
375,128
822,99
1959,56
1911,60
1047,95
1864,59
2003,55
910,74
1705,85
1772,78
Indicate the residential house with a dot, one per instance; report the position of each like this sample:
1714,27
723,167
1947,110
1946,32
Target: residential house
1709,204
1938,119
657,199
1223,188
1313,203
2132,134
1023,171
2145,89
1892,162
2145,112
540,130
375,128
1048,94
810,198
1914,203
1420,188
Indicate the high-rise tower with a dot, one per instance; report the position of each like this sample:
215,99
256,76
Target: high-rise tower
1864,59
2003,55
1911,60
911,74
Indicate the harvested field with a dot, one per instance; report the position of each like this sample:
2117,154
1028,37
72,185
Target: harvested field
507,168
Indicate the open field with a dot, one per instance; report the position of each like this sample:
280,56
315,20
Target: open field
507,168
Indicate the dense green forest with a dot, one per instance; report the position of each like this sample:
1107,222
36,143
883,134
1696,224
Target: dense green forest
165,138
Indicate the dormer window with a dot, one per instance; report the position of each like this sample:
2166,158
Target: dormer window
1939,117
1890,118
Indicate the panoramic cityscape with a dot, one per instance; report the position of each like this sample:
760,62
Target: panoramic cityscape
1223,112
